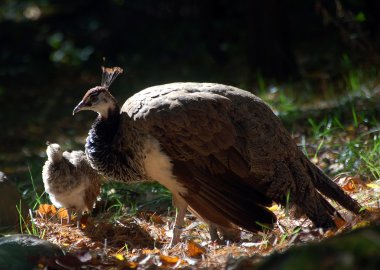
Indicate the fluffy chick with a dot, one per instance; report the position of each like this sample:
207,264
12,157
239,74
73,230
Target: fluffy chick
70,181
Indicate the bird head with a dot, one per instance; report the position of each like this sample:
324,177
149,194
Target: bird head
54,152
99,99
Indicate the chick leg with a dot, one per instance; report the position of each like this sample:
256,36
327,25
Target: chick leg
79,218
69,214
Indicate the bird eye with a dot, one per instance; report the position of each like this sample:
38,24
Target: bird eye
94,99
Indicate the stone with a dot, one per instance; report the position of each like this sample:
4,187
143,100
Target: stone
21,251
10,198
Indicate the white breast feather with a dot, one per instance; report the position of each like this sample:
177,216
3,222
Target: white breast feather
159,167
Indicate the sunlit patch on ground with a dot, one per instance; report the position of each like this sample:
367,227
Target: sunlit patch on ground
140,241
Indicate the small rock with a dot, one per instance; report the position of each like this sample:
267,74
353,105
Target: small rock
358,249
21,251
10,198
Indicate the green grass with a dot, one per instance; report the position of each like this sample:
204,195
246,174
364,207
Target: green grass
348,128
29,226
124,198
37,197
362,155
355,142
27,223
287,234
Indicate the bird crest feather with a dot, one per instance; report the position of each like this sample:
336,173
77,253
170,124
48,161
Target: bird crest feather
109,75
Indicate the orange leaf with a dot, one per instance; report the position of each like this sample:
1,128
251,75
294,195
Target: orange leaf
350,185
329,233
150,251
339,222
194,249
46,209
168,259
63,213
132,265
157,219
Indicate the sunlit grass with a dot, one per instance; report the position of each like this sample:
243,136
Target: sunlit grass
353,139
343,126
26,222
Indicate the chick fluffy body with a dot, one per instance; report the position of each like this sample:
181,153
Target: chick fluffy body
70,181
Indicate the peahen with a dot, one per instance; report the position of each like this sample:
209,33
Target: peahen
220,150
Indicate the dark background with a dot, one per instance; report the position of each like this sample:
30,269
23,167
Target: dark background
159,41
51,52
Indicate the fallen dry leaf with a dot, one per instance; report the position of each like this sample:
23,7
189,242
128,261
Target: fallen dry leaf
375,210
157,219
329,233
63,213
46,210
132,265
168,259
274,207
150,251
119,257
349,186
361,224
351,183
373,186
194,249
339,222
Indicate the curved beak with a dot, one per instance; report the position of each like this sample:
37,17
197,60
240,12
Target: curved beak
79,107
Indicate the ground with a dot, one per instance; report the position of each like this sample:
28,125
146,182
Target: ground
126,241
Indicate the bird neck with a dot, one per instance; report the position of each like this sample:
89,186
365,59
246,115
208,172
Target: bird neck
104,129
101,135
114,149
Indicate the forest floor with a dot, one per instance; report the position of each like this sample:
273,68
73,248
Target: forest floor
140,241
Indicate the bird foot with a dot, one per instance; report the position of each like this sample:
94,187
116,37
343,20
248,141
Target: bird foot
214,234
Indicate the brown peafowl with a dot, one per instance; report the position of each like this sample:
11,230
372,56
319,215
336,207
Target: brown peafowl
220,150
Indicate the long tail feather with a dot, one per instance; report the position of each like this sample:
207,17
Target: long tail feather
331,190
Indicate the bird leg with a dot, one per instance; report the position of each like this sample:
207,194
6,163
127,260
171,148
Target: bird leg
79,217
181,207
69,214
214,233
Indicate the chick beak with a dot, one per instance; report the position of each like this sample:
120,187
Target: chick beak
79,107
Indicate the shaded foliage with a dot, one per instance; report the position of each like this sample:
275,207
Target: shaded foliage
184,40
